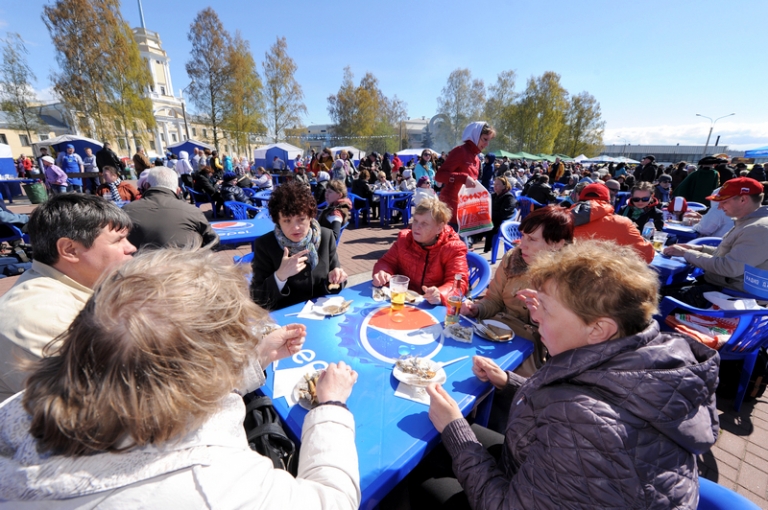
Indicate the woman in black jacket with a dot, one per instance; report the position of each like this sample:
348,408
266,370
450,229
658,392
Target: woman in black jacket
298,260
503,203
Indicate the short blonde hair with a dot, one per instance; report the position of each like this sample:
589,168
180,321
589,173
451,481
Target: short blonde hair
597,279
439,211
162,340
338,186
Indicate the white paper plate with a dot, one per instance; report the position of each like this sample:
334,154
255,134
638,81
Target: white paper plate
414,380
498,324
302,386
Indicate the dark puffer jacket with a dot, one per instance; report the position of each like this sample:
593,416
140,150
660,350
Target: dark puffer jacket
612,425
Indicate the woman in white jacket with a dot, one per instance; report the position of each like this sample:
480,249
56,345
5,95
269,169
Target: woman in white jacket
137,409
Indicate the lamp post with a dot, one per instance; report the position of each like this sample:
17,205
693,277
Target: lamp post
711,127
184,109
626,142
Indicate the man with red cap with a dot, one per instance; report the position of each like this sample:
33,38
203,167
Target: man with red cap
744,244
593,218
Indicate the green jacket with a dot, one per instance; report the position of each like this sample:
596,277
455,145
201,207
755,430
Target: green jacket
698,185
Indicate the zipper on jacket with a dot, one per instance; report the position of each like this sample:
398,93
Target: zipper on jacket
424,273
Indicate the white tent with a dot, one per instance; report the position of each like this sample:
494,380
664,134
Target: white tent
579,158
7,166
357,154
263,156
599,159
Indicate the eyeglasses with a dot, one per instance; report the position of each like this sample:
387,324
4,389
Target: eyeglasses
638,199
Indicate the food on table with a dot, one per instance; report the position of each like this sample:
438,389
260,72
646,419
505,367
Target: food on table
459,332
379,294
421,367
497,333
333,286
412,296
308,391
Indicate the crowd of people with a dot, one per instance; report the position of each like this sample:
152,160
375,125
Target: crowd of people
129,393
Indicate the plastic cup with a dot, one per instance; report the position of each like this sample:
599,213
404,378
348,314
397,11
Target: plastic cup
659,240
398,286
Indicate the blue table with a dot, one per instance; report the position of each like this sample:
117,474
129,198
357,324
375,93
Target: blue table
388,199
672,270
393,434
8,191
242,231
263,197
683,233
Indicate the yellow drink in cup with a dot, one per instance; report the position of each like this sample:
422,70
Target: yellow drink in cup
398,286
658,245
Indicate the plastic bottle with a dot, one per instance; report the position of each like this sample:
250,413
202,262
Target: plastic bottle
454,302
648,230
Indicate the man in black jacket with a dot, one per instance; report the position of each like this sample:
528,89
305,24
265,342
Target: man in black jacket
646,171
541,191
161,219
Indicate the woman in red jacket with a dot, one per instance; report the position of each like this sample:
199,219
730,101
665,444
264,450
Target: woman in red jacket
430,254
462,166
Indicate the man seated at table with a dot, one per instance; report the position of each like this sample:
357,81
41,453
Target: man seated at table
116,189
161,219
744,244
593,218
614,419
76,238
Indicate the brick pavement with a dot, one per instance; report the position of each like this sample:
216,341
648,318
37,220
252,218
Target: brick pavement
739,459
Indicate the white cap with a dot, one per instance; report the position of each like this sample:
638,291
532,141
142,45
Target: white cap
49,159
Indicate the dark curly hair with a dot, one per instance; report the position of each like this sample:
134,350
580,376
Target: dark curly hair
292,199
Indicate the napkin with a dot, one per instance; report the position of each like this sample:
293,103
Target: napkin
409,392
308,312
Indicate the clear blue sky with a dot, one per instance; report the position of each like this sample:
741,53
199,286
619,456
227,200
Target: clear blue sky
652,65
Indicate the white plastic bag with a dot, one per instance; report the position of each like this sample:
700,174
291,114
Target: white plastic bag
473,210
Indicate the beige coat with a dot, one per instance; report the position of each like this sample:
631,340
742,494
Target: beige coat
38,308
501,304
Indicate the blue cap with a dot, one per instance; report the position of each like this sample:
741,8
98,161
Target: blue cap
70,146
228,176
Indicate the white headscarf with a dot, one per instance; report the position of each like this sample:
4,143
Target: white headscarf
473,132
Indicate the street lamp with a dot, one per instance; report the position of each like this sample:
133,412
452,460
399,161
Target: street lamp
626,142
184,109
711,127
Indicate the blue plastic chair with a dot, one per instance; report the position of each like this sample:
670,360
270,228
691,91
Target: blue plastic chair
558,186
263,214
703,241
507,234
526,205
696,207
479,274
357,208
621,200
249,192
341,231
239,210
201,198
716,497
14,234
245,259
263,197
405,209
751,333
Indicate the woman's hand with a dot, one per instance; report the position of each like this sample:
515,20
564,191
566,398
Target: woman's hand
442,408
281,343
432,295
531,298
469,308
486,370
337,276
470,182
335,383
381,278
291,265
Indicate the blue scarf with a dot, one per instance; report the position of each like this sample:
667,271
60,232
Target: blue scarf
310,243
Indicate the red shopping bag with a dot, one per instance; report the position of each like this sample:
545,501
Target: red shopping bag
474,210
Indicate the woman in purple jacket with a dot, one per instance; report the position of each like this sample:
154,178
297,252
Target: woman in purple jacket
614,419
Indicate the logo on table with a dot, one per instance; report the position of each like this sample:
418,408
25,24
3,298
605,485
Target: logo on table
418,334
228,224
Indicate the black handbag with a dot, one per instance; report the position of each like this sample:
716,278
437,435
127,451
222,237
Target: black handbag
266,435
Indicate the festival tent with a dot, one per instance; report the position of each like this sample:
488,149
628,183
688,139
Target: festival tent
526,155
406,155
549,158
6,161
500,154
628,161
599,159
356,153
188,146
285,151
60,143
760,152
580,158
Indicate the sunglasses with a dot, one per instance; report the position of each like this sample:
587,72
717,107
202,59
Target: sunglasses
638,199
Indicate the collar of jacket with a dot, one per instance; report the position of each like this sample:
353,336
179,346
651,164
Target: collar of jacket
470,145
159,191
515,265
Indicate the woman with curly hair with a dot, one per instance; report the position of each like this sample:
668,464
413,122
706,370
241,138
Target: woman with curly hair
298,260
